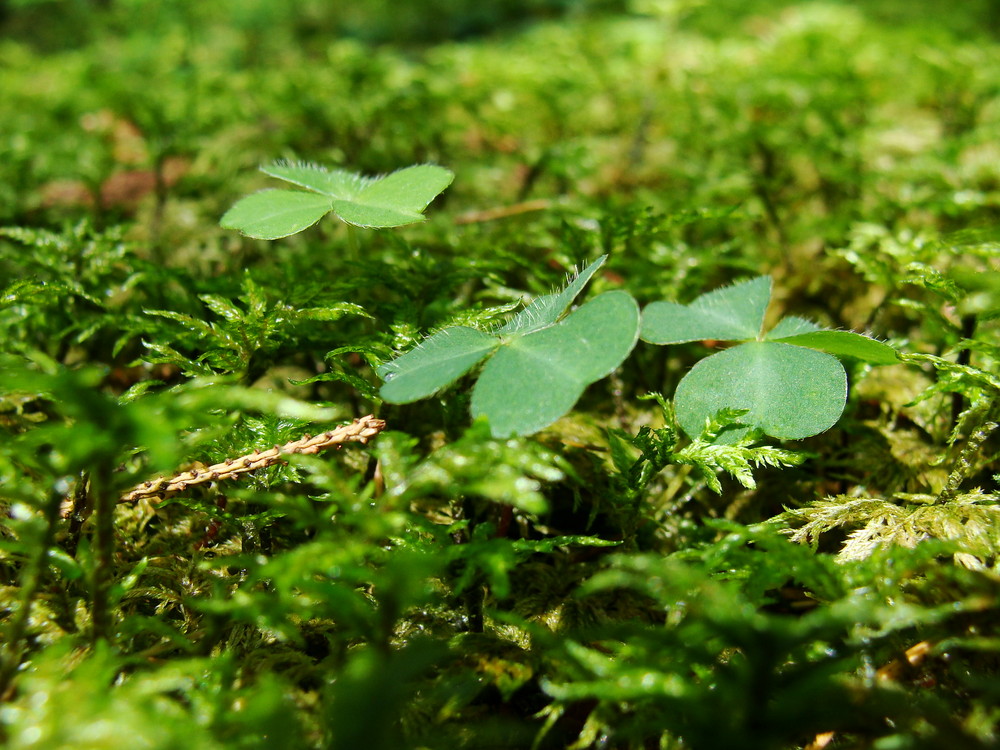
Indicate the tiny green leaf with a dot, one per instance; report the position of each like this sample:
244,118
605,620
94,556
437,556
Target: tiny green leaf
272,214
547,309
379,202
730,313
396,199
436,362
792,325
373,217
409,189
791,392
337,183
843,344
536,378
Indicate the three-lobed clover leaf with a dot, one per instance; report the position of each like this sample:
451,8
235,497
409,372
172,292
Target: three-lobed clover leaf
375,202
538,363
789,380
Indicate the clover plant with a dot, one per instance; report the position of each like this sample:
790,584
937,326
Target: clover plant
788,379
539,362
393,200
787,383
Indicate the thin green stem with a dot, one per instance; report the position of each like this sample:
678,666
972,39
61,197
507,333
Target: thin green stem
15,637
353,243
966,462
104,543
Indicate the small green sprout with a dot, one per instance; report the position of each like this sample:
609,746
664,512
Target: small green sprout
394,200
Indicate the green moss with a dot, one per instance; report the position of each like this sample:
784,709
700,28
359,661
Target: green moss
443,587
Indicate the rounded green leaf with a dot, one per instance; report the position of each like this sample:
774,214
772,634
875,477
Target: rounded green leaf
409,189
536,378
733,313
791,325
337,183
548,308
272,214
791,392
436,362
844,344
374,217
396,199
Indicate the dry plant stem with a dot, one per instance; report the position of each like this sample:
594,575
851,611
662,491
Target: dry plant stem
360,431
502,212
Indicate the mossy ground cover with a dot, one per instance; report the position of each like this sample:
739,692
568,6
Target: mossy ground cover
610,581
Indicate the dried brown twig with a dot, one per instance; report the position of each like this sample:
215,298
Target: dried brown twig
360,431
502,212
